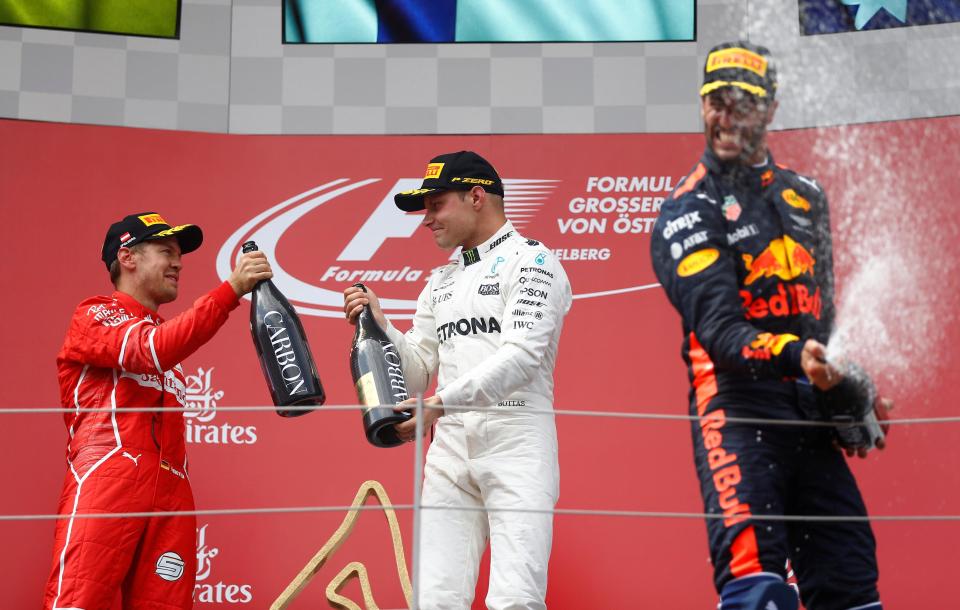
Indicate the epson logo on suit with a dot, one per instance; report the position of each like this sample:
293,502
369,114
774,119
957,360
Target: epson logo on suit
534,292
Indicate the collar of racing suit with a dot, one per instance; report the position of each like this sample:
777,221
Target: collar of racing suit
732,171
474,255
135,307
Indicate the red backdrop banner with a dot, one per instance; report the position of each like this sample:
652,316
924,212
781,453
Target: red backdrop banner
321,208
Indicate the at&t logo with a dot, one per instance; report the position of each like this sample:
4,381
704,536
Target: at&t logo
201,409
221,592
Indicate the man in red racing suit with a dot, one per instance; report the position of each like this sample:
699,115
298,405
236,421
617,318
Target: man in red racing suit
119,354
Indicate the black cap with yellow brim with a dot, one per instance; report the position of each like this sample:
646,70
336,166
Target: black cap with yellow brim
743,65
144,226
459,171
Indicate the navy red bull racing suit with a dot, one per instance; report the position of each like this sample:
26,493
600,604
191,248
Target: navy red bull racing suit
744,254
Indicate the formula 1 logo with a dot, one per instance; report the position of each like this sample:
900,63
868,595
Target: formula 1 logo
361,257
349,230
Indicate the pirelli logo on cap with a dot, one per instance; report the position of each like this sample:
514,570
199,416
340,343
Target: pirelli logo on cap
468,180
152,219
433,170
737,58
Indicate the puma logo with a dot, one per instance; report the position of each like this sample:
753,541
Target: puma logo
133,459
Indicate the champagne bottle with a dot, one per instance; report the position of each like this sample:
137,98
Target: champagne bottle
378,379
283,350
851,405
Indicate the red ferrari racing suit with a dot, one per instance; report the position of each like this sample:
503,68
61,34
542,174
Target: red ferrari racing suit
118,354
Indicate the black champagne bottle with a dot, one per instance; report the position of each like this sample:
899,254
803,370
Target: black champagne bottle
378,379
283,350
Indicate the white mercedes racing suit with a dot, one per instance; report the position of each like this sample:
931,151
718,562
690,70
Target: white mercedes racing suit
491,324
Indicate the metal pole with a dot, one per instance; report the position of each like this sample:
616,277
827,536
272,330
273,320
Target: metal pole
417,479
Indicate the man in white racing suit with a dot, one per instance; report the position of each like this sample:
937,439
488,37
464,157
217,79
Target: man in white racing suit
490,324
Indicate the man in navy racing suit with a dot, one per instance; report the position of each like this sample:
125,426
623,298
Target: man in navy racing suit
743,251
489,324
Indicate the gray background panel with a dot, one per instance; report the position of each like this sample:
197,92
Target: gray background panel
229,72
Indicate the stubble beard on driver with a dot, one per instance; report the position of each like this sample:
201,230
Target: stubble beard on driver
753,141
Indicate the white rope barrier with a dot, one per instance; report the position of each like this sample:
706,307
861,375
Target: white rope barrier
417,507
418,470
412,507
564,412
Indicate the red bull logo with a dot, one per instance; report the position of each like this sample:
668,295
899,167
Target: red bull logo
795,200
790,300
723,465
766,179
767,345
783,258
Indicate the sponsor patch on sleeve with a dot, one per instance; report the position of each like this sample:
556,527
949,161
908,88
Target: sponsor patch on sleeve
795,200
698,261
767,345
